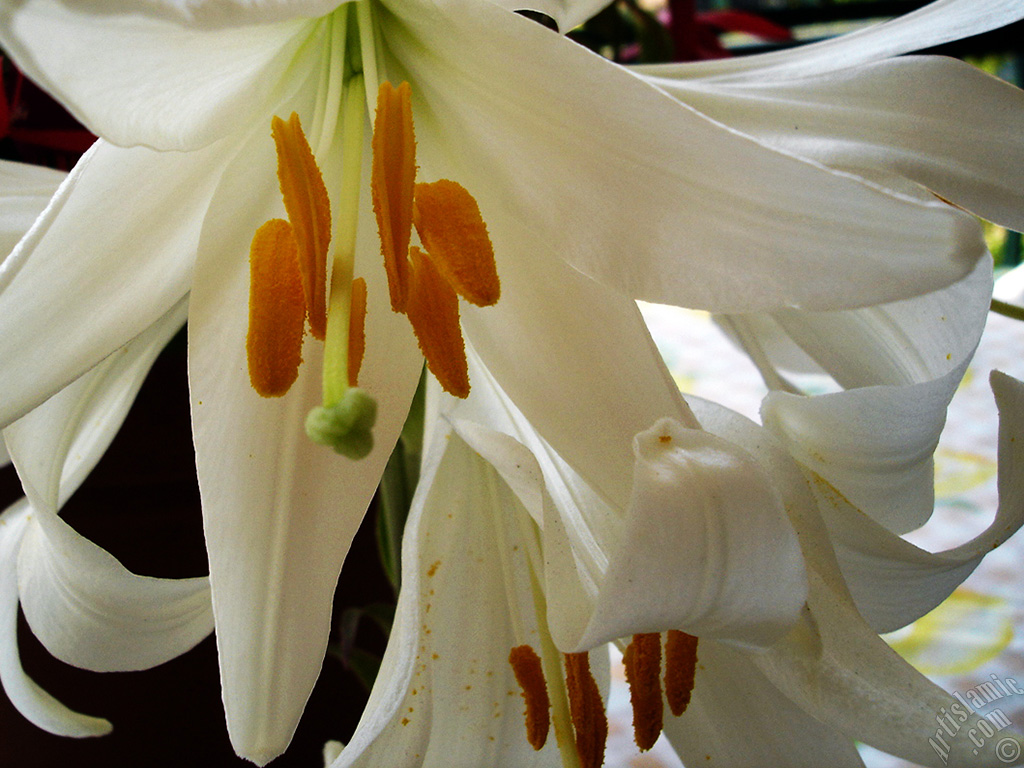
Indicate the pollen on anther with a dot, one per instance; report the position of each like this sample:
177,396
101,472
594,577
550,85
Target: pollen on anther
433,311
449,224
393,175
586,710
277,310
642,661
356,330
526,666
309,212
680,670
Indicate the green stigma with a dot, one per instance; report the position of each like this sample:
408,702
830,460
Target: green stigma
345,426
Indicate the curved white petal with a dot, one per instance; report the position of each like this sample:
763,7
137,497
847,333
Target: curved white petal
279,511
114,251
936,121
135,79
904,361
894,582
833,665
24,192
934,24
737,718
688,552
690,211
33,702
446,694
58,443
90,612
694,553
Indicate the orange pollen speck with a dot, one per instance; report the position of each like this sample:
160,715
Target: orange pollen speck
277,310
680,670
393,175
586,709
529,674
309,211
643,671
356,331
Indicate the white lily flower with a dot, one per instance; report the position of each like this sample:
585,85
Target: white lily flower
541,132
487,570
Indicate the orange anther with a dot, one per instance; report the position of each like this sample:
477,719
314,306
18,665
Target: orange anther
391,184
453,232
643,671
433,310
529,674
680,670
356,330
586,709
277,310
309,210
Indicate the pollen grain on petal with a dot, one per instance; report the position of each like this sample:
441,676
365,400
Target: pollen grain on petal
433,310
586,709
356,331
680,670
452,230
277,310
526,666
309,210
642,661
393,176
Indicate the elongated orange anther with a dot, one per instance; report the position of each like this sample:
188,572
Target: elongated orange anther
309,210
391,184
449,223
643,672
586,709
356,330
433,310
530,675
277,310
680,670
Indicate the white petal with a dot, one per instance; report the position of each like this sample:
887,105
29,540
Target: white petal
964,143
614,377
24,192
134,79
279,511
706,547
57,444
718,221
214,13
875,443
114,250
90,612
33,702
843,673
934,24
894,582
737,718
